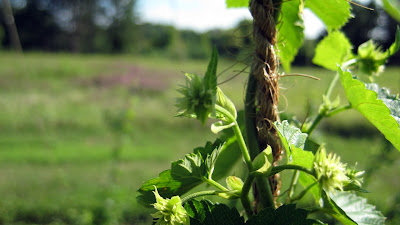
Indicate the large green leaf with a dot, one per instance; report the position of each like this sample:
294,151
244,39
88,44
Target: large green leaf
290,135
237,3
207,213
291,33
284,215
335,211
371,107
334,13
358,209
391,101
332,50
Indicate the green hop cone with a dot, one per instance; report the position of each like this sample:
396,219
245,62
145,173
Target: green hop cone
198,101
169,211
330,172
371,58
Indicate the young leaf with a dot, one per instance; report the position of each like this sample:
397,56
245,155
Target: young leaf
332,50
291,33
334,13
290,135
284,215
210,78
220,126
211,160
367,103
191,167
301,157
335,211
358,209
206,213
237,3
396,45
167,187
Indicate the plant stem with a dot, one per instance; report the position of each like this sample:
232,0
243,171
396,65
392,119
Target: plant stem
293,184
301,195
338,110
245,195
263,187
215,184
239,136
278,169
198,194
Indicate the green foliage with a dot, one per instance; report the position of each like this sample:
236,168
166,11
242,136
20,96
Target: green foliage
393,8
367,103
284,215
291,33
334,13
358,209
301,157
335,211
290,135
237,3
334,49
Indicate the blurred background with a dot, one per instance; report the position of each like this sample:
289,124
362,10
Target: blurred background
87,94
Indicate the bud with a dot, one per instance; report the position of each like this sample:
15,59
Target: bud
170,211
235,185
330,172
263,161
355,176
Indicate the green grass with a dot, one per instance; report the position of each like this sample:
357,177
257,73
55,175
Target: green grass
56,149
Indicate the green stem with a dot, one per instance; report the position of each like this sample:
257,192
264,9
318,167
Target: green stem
239,136
338,110
301,195
278,169
315,122
293,184
263,187
215,184
245,195
197,194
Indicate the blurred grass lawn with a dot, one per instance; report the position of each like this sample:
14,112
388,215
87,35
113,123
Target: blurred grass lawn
56,149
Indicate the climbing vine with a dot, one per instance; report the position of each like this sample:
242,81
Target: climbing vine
262,137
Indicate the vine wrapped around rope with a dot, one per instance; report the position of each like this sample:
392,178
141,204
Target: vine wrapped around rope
264,69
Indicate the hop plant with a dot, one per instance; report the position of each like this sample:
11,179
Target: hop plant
330,172
169,211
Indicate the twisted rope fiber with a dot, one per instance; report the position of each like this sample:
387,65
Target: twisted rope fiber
264,69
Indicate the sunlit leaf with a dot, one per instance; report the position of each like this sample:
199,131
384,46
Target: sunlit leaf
392,7
332,50
237,3
291,33
335,211
358,209
334,13
290,135
301,157
371,107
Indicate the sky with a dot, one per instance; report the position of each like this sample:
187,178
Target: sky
203,15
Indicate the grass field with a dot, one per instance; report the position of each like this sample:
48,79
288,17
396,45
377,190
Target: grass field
56,145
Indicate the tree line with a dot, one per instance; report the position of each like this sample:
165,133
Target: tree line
113,26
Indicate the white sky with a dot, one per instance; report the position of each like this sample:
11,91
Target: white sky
203,15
